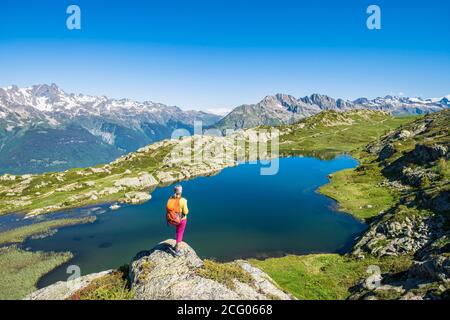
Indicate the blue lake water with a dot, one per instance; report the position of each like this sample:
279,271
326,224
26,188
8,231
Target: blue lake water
237,213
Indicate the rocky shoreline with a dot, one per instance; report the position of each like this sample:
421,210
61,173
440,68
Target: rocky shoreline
418,225
119,181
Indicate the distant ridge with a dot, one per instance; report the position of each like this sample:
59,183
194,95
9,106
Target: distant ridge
43,128
284,109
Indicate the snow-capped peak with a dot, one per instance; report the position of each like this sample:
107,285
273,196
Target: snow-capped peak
434,100
51,98
50,104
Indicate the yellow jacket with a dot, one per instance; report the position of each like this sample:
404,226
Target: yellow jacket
183,206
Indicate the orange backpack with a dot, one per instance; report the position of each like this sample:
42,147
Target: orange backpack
173,211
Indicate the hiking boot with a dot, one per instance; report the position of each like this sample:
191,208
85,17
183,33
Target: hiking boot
176,252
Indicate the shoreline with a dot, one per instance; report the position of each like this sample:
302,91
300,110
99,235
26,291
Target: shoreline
347,149
274,255
344,249
213,172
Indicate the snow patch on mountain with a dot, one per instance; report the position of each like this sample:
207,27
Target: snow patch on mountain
107,137
283,108
51,104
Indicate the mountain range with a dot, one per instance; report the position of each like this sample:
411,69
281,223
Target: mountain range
284,109
43,128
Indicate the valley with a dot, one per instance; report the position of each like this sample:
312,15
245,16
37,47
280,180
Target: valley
43,128
221,155
381,191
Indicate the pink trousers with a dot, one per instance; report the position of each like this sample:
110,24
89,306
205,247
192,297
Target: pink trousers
180,230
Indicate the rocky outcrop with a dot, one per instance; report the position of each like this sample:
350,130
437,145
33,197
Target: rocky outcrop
424,154
63,290
144,180
416,177
436,268
441,202
386,152
136,197
428,278
395,237
158,274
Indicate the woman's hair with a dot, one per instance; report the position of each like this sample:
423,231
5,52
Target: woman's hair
178,190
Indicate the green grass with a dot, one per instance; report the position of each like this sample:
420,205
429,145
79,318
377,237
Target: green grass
401,212
358,191
21,270
319,135
41,191
324,276
443,168
19,235
112,286
224,273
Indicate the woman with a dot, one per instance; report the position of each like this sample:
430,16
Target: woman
180,205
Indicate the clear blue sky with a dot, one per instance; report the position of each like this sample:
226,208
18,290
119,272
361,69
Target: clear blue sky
221,53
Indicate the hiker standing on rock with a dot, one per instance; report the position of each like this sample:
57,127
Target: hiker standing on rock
177,211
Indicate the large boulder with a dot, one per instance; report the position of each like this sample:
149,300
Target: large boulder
158,274
136,197
441,203
437,268
145,180
424,154
416,176
386,152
